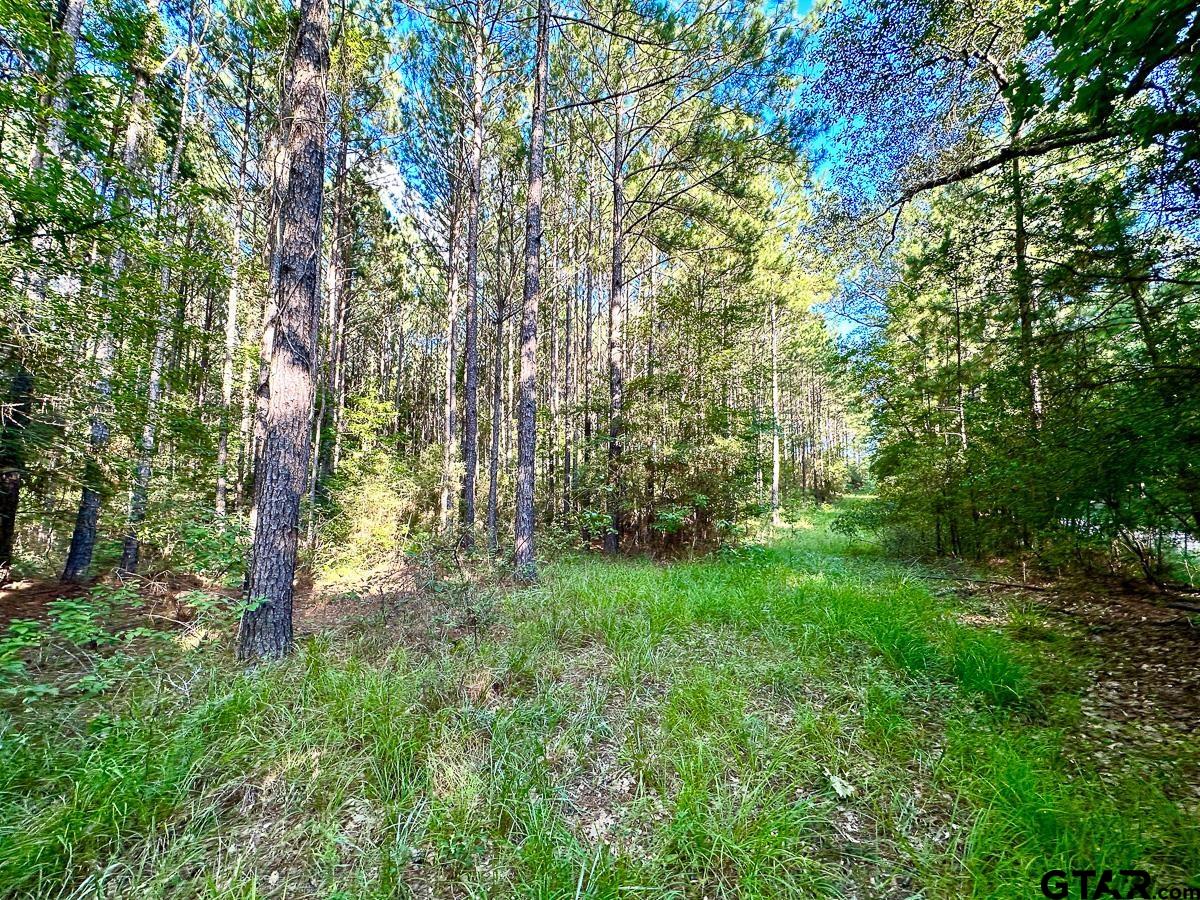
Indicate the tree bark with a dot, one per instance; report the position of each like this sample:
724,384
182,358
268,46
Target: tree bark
280,165
470,438
616,344
527,412
266,627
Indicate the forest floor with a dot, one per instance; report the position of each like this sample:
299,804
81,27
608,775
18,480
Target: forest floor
795,719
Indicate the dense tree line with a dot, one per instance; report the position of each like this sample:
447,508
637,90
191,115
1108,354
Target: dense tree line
342,278
1026,272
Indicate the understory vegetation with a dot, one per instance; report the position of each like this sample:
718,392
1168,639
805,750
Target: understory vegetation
797,717
1028,343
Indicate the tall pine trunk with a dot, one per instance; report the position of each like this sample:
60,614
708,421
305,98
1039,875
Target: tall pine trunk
470,438
266,627
281,164
497,414
616,343
569,380
527,407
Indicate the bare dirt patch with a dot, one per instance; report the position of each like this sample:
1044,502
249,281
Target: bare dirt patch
30,598
413,604
1140,687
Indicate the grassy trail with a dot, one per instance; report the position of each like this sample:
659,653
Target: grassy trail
795,720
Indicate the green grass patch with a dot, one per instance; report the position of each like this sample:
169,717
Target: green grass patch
796,720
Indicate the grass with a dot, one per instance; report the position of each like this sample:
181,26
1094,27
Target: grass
795,720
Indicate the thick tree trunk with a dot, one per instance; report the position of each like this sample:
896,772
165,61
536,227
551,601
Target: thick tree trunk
280,166
262,393
527,412
616,343
266,627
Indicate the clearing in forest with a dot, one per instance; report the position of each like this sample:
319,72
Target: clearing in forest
796,719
